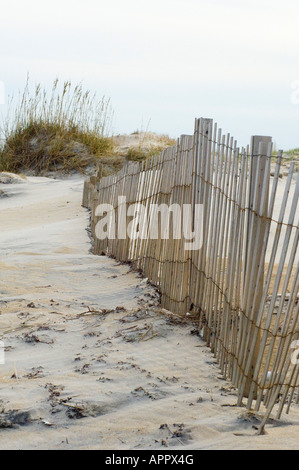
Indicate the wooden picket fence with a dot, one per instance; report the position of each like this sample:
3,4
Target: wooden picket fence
243,283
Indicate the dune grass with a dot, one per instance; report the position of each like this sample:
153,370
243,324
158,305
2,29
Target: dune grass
293,153
145,149
68,130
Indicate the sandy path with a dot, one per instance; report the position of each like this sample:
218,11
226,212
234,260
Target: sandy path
91,360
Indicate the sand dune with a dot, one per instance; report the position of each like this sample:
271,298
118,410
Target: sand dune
92,362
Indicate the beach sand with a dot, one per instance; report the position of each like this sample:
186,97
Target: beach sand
91,360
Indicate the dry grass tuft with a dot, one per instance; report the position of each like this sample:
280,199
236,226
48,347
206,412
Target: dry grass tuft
149,144
65,132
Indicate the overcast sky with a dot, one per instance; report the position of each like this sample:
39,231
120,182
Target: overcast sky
167,61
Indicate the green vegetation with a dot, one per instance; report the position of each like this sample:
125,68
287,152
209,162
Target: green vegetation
293,153
69,131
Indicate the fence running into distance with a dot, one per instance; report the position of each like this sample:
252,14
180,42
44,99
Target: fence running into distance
243,283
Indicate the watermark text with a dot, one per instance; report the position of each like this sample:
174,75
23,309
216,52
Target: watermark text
153,222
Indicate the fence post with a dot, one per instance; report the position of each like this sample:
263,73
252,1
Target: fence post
201,191
259,188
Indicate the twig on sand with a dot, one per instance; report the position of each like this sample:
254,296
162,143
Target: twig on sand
92,311
146,333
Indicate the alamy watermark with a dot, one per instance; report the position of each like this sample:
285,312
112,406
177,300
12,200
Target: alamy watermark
153,221
295,93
